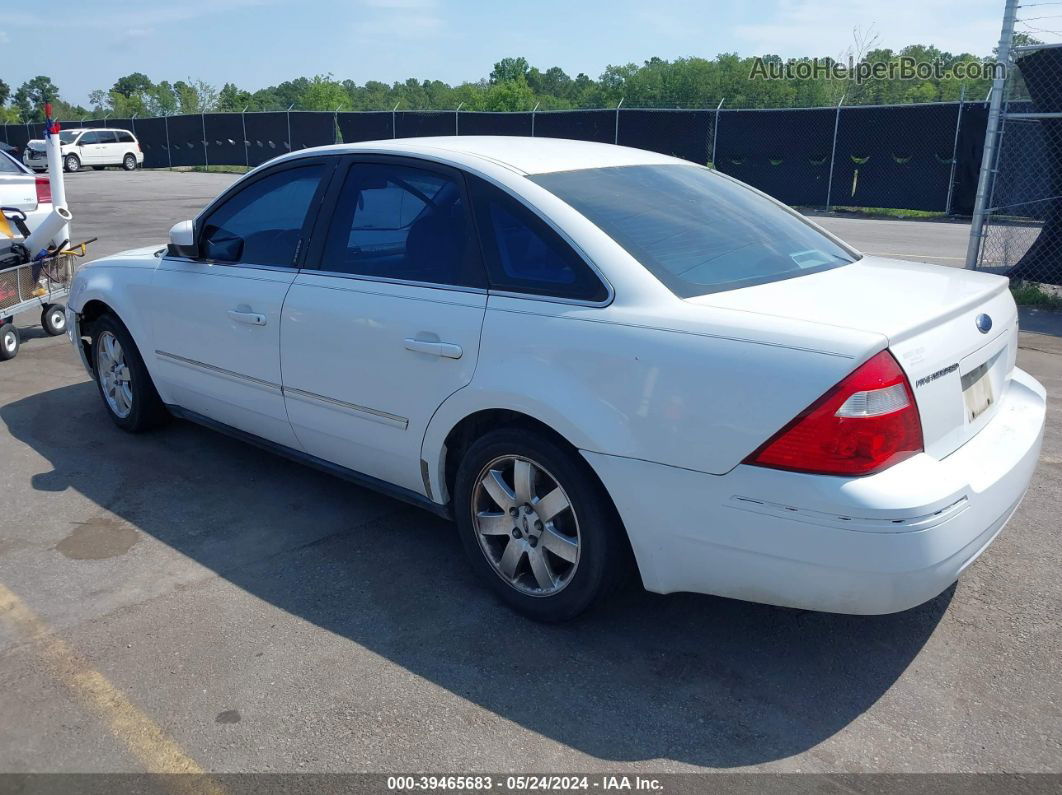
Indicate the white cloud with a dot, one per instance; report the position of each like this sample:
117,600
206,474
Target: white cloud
401,20
824,27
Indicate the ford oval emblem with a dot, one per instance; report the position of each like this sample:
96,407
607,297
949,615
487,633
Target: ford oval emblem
984,323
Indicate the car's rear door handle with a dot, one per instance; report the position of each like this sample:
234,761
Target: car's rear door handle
250,318
446,349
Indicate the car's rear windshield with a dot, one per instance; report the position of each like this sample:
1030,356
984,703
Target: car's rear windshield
697,231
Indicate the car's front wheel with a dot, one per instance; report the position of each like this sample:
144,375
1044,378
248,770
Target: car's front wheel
537,525
129,162
123,381
72,163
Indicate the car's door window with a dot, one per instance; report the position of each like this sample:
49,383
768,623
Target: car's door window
263,223
525,255
8,166
89,138
405,223
107,137
124,137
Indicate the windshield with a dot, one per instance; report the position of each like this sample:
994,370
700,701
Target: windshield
68,136
696,231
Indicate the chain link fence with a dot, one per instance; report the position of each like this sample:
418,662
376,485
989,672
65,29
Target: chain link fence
1022,231
915,157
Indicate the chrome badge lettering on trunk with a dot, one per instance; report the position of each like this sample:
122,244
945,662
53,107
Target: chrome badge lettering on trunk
951,368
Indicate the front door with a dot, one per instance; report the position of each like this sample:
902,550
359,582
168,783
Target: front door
217,317
386,326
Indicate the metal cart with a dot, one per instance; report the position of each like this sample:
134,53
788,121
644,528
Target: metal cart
36,285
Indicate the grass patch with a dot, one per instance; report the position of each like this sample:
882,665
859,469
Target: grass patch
1033,294
888,212
220,169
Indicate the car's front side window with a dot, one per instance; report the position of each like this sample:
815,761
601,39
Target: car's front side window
68,136
89,138
263,223
401,222
525,255
9,166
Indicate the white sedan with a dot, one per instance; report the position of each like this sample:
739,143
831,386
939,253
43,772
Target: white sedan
596,360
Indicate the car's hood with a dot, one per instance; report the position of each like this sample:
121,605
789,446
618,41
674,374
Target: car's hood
37,144
134,257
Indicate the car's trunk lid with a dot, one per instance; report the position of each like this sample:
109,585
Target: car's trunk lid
930,316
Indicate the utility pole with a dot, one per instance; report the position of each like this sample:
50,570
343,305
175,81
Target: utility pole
988,159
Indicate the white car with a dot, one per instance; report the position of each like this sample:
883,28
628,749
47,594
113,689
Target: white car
593,359
93,147
21,189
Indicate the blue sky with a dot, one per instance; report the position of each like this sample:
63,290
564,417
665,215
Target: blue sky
256,43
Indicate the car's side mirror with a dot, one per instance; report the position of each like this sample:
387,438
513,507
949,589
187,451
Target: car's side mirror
182,240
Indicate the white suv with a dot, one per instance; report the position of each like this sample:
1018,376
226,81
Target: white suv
88,147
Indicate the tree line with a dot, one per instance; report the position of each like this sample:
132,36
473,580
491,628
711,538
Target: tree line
514,85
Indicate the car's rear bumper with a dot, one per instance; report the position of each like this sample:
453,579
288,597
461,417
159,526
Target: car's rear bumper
876,544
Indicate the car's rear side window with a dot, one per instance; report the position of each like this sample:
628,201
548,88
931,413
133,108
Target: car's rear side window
524,255
697,231
124,137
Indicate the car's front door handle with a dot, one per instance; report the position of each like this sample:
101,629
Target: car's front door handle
446,349
250,318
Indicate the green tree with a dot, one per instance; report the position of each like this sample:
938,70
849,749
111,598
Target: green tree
32,95
509,69
324,93
232,99
5,93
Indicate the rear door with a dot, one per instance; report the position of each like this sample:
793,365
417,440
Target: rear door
110,150
386,325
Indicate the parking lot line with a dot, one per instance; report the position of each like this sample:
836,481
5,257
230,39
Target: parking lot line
155,749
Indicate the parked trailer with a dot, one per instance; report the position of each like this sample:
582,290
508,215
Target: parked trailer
35,286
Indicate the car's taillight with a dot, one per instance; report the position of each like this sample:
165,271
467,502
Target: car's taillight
866,423
44,190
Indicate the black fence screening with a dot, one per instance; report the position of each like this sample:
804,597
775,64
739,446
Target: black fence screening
919,157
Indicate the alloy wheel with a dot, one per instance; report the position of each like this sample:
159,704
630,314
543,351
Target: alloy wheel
526,525
115,378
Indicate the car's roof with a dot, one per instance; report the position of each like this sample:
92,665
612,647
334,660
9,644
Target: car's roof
96,129
525,155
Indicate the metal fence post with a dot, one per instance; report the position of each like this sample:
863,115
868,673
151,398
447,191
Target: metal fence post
984,178
246,143
833,153
533,111
394,125
169,151
457,119
291,143
715,130
955,152
615,139
206,156
335,125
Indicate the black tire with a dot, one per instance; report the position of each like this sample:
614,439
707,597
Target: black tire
147,410
71,163
129,162
9,342
604,559
53,319
98,168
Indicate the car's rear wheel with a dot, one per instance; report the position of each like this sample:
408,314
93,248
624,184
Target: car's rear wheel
129,162
537,525
53,319
72,163
9,342
123,381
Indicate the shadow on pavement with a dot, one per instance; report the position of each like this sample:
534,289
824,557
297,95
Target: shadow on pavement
696,679
1040,321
